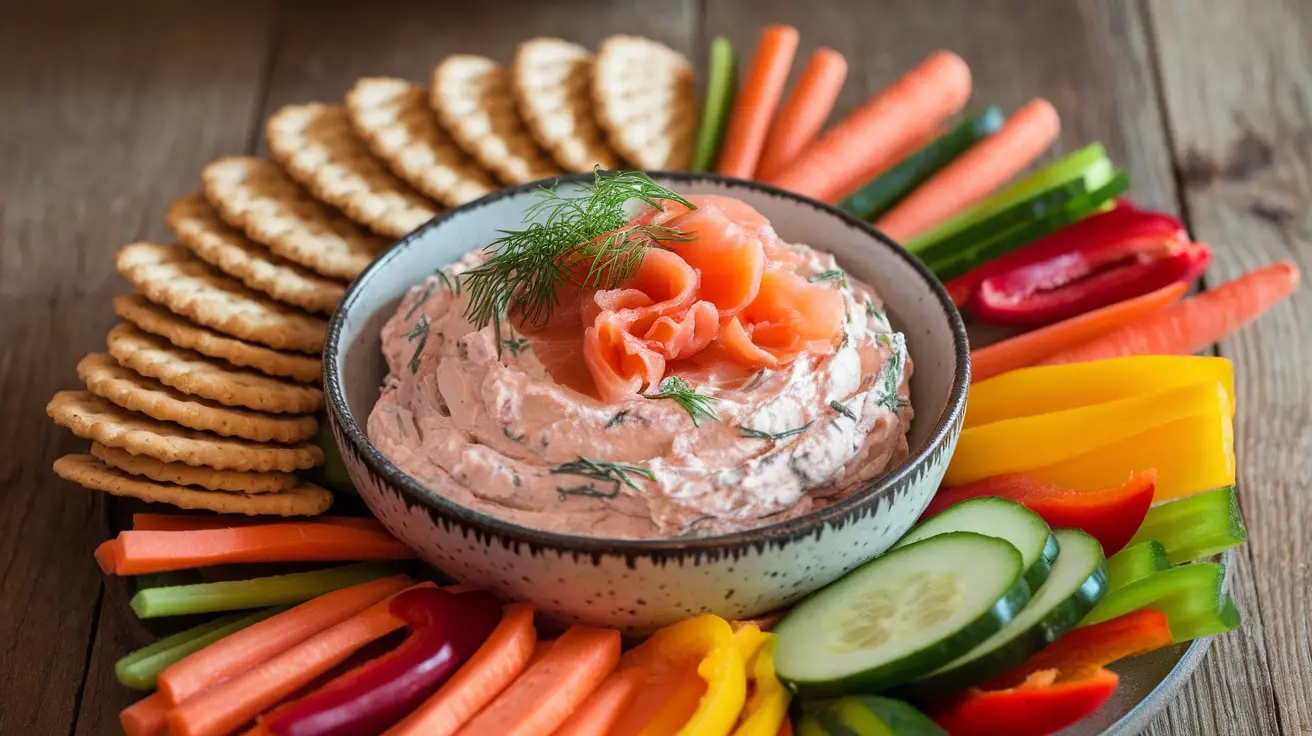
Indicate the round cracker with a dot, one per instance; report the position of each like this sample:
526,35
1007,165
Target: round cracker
645,100
256,197
90,417
473,101
392,117
172,277
305,499
185,475
159,321
107,379
201,229
315,145
196,375
552,84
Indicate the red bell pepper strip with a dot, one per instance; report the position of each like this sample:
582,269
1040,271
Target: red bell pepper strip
1111,515
1037,707
1080,653
445,631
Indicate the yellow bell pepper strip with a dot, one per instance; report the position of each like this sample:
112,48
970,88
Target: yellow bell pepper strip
696,681
1191,455
1042,389
1023,444
767,706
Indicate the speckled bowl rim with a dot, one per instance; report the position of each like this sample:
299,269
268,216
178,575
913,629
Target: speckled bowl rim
777,533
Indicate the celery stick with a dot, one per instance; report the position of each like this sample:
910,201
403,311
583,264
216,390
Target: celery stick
139,669
235,595
1182,593
1196,526
1134,563
721,87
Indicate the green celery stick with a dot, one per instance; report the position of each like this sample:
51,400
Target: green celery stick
1134,563
140,669
1182,593
332,474
1197,526
236,595
721,87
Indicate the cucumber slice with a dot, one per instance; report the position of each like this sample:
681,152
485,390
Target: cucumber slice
1001,518
1077,582
866,715
721,86
879,196
901,615
1197,526
1134,563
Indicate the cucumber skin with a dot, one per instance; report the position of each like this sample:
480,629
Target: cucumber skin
881,195
895,718
893,674
1044,204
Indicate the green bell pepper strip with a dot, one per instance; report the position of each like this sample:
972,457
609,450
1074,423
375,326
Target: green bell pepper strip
1197,526
1134,563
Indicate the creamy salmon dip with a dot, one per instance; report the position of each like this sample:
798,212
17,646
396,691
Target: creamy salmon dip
476,416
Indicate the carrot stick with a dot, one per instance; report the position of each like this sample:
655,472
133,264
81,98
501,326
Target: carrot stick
234,702
865,142
107,556
548,692
540,650
1195,323
805,111
756,102
1032,347
146,717
492,668
141,552
983,168
602,709
245,649
187,522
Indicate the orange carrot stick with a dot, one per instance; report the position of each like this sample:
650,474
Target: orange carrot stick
107,556
756,102
143,552
540,650
1195,323
976,173
805,111
187,522
548,692
239,652
848,154
602,709
1032,347
490,671
146,717
235,702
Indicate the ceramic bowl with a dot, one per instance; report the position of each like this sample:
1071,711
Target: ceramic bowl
638,585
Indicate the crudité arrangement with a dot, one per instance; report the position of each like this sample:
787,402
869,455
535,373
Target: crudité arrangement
1078,524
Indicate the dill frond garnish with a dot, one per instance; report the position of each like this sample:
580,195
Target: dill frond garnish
842,410
834,274
418,331
452,284
757,434
616,473
429,288
515,344
890,374
698,406
587,491
584,238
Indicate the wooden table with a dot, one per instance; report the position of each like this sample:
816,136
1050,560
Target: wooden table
109,110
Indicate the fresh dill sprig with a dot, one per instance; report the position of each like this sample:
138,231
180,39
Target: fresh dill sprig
836,275
757,434
698,406
515,344
418,331
836,406
583,238
873,311
452,284
616,473
587,491
429,288
890,373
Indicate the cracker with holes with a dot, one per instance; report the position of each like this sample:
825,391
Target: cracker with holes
552,83
473,101
394,120
315,145
645,100
172,277
186,475
256,197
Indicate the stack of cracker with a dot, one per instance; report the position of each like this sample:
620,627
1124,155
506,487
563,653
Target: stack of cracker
206,396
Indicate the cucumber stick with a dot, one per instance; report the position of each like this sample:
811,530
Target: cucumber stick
865,715
1001,518
901,615
879,196
1134,563
721,87
1196,526
1078,580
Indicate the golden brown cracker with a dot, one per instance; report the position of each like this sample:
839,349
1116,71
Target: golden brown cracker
90,417
107,379
87,471
552,83
186,475
645,99
183,333
196,375
255,196
394,120
172,277
201,229
473,101
315,145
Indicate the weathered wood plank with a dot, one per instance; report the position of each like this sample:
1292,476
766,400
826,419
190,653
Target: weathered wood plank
1237,82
